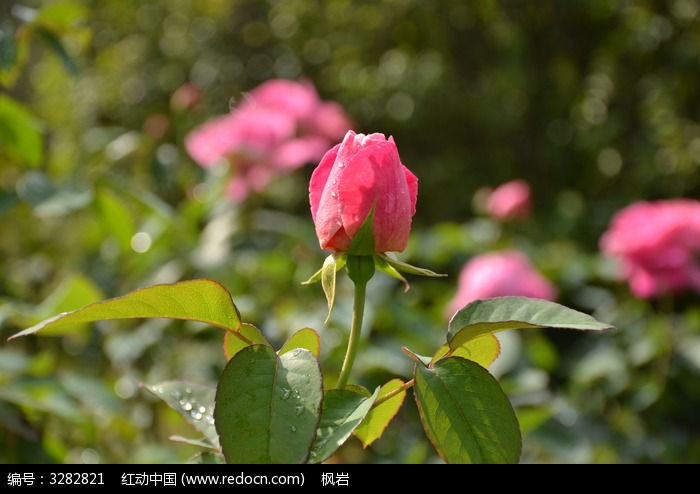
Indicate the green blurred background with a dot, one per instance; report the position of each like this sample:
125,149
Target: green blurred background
596,103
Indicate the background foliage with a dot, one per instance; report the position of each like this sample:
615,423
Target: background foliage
595,103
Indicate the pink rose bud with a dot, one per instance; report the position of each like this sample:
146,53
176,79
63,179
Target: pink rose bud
500,274
362,171
657,245
510,201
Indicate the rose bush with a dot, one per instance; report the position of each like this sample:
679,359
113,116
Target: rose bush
362,172
657,244
500,274
278,127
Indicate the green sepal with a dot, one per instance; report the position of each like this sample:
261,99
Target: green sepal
340,263
362,243
330,266
404,267
382,265
360,269
326,275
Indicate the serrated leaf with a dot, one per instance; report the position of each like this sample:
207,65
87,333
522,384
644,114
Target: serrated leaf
357,388
305,338
379,416
247,334
500,313
268,406
343,411
465,413
194,402
483,350
195,300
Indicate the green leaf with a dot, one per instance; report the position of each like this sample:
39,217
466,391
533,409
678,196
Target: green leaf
195,300
343,411
268,406
247,334
483,350
466,414
497,314
74,291
20,133
379,416
362,244
305,338
194,402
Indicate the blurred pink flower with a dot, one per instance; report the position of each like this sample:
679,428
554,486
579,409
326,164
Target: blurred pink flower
510,201
657,245
278,127
500,274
